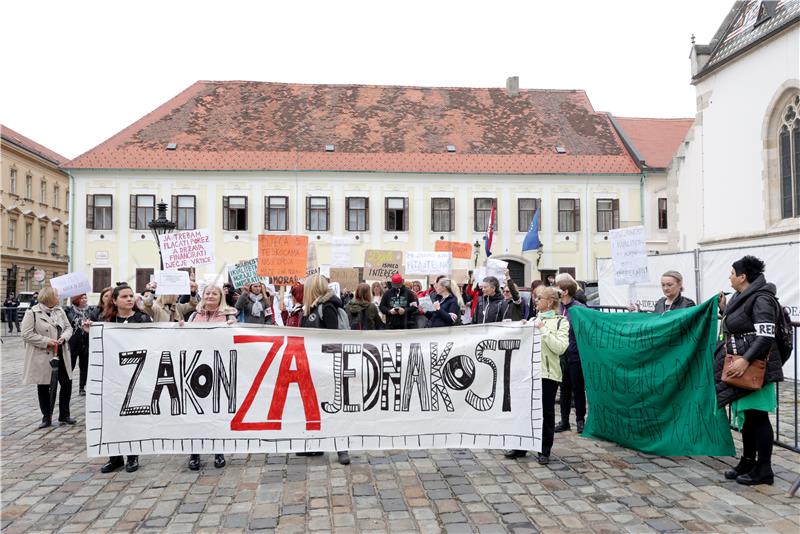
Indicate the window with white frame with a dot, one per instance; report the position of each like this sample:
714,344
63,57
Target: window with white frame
56,194
29,236
357,214
12,233
43,191
396,214
607,214
42,238
234,213
13,185
99,211
184,211
317,214
276,215
143,210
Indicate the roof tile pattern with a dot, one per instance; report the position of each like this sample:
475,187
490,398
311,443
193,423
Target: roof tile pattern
656,140
242,125
30,145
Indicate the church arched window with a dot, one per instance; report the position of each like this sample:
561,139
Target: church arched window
789,159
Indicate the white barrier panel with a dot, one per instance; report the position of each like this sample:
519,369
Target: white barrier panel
160,388
646,294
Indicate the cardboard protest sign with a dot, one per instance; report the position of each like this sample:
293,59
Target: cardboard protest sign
244,273
347,278
172,282
460,250
650,380
283,257
382,264
186,249
272,390
428,262
71,284
629,254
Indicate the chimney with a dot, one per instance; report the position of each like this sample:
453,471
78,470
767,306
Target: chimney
512,85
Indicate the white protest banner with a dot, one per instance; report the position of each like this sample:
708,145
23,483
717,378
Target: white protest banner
629,254
429,262
209,388
71,285
186,249
482,272
172,282
340,252
244,273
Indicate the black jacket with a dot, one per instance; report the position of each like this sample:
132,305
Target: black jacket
398,297
749,328
491,309
324,312
679,303
441,317
571,354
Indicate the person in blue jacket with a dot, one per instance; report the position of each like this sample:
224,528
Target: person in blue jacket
447,309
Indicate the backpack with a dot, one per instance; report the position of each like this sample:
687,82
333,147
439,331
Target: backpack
783,333
358,320
344,320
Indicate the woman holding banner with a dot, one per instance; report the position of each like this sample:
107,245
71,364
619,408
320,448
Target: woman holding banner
555,339
673,299
748,332
46,332
256,303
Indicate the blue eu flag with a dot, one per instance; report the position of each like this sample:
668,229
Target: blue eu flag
531,241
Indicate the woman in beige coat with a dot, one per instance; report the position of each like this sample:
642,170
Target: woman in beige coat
45,331
166,308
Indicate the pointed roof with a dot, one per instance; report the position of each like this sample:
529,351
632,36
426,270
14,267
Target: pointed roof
244,125
31,146
654,140
748,23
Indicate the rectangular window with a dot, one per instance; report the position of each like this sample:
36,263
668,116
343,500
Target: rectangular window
29,236
569,215
42,238
276,214
662,213
443,214
483,211
607,214
56,238
43,191
29,187
12,232
526,207
396,214
13,187
99,211
317,214
234,213
56,194
357,214
101,278
143,278
143,210
184,211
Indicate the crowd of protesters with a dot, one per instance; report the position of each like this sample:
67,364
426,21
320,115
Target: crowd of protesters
56,338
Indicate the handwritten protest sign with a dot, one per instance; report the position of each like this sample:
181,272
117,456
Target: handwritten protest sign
650,382
340,252
347,278
428,262
425,304
382,264
269,390
282,256
629,255
186,249
71,284
459,250
244,273
172,282
312,264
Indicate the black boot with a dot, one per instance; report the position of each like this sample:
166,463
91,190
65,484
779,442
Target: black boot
46,421
219,460
113,463
761,474
515,453
561,427
133,463
194,462
344,457
744,466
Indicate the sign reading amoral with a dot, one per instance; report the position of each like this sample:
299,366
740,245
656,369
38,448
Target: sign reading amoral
161,388
382,264
429,262
186,249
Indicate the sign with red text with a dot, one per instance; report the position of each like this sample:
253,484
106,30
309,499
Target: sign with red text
212,388
186,249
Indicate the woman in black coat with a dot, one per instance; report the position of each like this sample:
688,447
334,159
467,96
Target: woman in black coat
447,309
748,327
673,299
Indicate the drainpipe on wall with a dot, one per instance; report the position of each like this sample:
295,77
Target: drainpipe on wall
641,197
71,243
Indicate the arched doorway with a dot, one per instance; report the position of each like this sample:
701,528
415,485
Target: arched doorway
517,271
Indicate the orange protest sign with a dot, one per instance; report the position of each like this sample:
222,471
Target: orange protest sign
282,255
459,250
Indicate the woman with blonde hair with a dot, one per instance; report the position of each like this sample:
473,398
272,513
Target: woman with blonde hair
256,302
377,295
46,331
166,308
447,308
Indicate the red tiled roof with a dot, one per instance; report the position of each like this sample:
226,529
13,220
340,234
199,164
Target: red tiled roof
241,125
656,140
31,146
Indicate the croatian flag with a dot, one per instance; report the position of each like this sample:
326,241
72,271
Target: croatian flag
531,241
489,233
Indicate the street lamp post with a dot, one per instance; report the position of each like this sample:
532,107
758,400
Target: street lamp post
161,226
477,246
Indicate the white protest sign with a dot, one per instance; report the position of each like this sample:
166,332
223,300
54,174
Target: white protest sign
482,272
244,273
172,282
186,249
629,254
429,262
71,285
340,252
336,288
272,390
426,304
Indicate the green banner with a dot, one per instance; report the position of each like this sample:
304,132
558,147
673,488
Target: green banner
650,381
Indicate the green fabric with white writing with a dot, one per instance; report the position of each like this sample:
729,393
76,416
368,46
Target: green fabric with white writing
650,380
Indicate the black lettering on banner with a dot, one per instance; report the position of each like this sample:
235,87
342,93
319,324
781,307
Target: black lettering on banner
347,374
391,371
459,372
186,381
137,358
370,375
437,386
166,377
509,346
336,350
202,380
415,374
484,404
227,381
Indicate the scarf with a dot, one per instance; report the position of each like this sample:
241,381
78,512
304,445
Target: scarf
79,316
547,314
257,307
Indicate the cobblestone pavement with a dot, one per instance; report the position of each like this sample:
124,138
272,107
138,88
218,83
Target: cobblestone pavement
49,485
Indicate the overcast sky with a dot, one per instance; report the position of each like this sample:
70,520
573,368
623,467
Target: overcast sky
76,72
